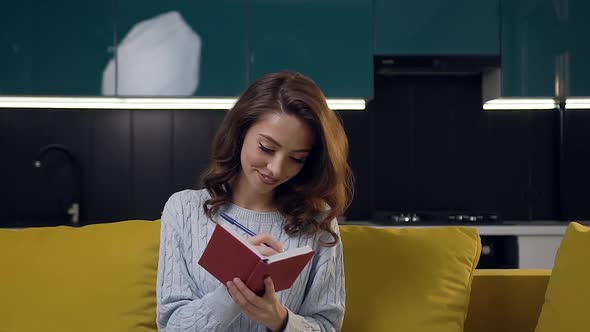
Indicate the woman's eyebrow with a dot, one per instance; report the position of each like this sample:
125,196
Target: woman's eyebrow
272,140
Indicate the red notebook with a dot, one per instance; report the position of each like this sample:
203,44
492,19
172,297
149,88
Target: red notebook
228,255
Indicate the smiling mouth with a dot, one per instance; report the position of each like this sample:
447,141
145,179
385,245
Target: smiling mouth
267,180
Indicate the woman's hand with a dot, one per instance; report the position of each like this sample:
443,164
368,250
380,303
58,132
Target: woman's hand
266,244
265,310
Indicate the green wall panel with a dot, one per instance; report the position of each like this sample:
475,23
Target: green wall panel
437,27
328,40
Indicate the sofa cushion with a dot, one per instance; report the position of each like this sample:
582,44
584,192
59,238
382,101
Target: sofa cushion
506,300
568,292
411,279
94,278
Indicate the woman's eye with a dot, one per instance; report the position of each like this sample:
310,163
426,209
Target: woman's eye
297,160
264,148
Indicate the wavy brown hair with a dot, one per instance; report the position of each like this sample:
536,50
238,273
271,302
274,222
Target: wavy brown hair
323,189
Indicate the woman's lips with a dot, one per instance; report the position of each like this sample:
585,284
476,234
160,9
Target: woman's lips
267,179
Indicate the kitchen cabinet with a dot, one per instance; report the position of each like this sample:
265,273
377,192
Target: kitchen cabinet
535,35
63,47
15,48
537,244
54,47
532,38
579,48
437,27
221,27
328,40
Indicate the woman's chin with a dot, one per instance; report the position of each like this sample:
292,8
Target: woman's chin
266,189
263,188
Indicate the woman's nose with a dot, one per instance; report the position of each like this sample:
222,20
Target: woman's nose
275,166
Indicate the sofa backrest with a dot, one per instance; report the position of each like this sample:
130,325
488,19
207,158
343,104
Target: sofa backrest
102,278
94,278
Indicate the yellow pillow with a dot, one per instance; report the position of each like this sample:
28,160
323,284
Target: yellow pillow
567,298
93,278
412,279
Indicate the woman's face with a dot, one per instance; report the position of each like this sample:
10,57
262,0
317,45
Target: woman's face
274,151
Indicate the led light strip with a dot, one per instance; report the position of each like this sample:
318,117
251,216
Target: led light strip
577,103
110,103
520,104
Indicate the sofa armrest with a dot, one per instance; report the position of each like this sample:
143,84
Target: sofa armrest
506,299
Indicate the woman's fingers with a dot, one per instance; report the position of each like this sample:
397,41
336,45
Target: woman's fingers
243,296
269,288
266,240
266,251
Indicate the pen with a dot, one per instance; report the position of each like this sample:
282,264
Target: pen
236,223
240,226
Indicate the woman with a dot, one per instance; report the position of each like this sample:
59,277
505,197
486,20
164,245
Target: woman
279,166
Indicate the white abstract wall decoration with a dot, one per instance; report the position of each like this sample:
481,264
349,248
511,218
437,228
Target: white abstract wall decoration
158,57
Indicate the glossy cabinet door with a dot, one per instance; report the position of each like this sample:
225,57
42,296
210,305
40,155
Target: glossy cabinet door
437,27
328,40
221,25
54,47
579,48
221,28
63,47
532,40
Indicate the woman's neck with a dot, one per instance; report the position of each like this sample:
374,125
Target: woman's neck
247,199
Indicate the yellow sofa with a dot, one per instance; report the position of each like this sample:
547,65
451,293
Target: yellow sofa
102,278
506,300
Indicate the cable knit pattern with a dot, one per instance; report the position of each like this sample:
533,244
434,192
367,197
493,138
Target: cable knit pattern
190,299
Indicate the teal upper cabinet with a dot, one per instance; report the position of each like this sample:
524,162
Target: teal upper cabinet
54,47
437,27
533,34
579,48
328,40
220,26
63,47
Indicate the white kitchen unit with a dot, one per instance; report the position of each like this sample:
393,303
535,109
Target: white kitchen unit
537,244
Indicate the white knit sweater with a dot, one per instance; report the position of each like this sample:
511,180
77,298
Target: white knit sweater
190,299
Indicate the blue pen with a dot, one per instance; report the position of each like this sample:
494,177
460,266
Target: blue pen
234,222
240,226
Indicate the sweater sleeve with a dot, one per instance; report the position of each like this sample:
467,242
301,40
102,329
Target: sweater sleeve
178,306
324,303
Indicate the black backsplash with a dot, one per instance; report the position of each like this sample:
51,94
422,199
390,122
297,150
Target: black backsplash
424,143
436,149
